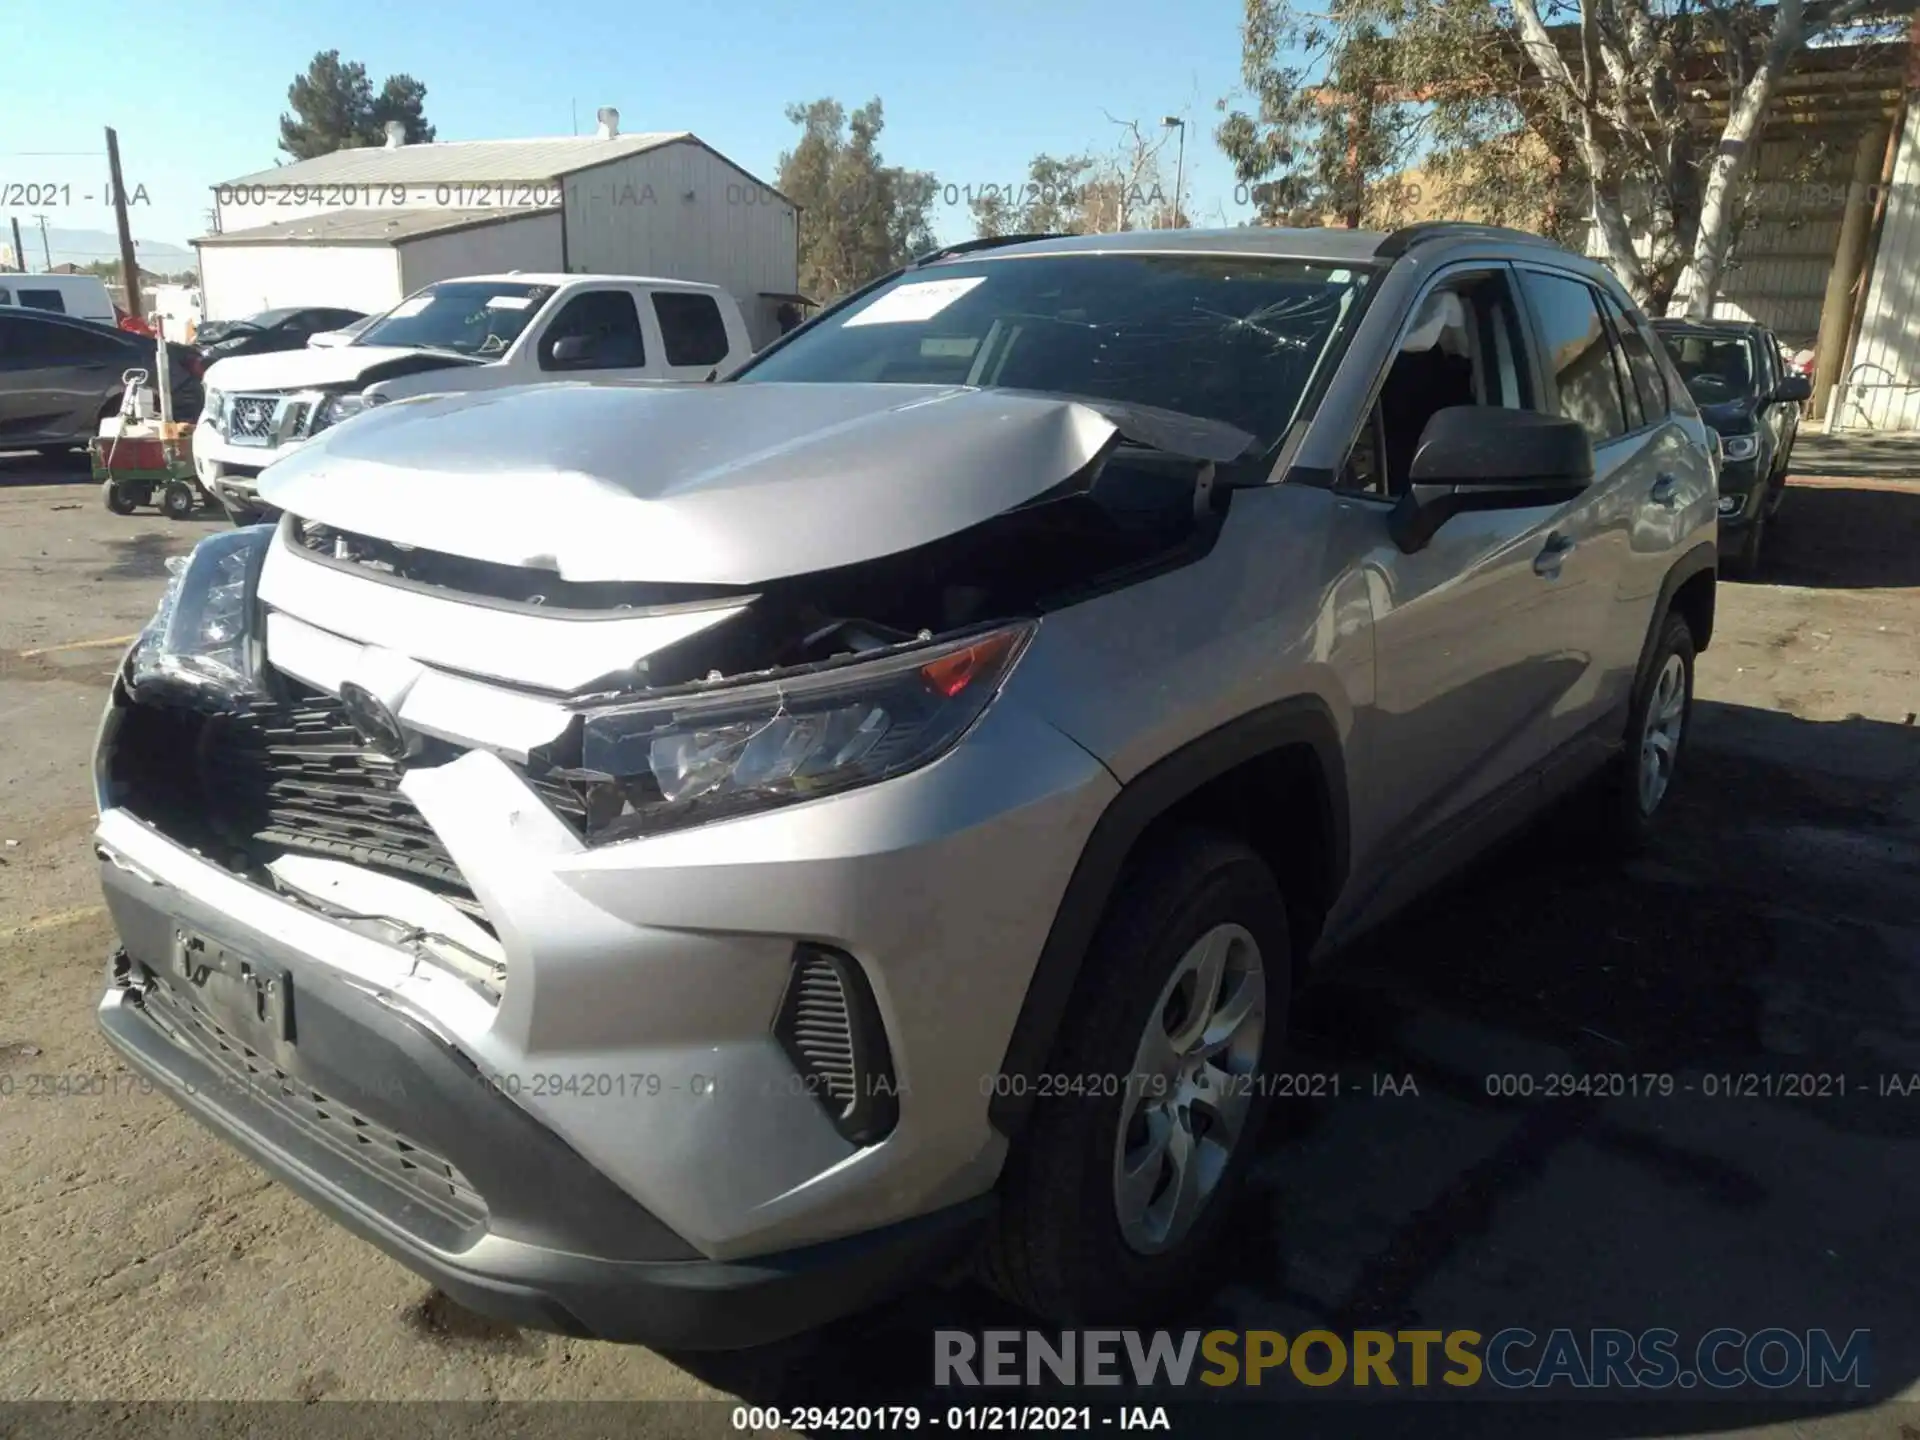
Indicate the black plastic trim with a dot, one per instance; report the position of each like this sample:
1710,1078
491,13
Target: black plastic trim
1299,720
869,1114
1704,556
553,1256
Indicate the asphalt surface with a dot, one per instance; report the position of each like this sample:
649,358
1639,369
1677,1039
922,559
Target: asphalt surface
1774,931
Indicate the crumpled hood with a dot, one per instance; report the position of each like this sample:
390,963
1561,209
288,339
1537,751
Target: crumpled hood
311,367
726,484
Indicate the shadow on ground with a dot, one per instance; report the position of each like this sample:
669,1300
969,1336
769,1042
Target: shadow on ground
1833,536
1765,957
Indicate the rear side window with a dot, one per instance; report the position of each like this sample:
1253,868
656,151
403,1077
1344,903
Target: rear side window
690,327
43,300
1648,379
1576,352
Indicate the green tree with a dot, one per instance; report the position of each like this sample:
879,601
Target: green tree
860,217
1086,194
335,108
1551,114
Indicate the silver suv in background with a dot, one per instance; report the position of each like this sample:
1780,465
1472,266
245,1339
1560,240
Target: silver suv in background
876,811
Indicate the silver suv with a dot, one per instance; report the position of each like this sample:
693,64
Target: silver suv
673,862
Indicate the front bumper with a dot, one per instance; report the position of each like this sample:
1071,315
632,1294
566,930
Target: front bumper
1741,496
380,1123
634,1025
230,473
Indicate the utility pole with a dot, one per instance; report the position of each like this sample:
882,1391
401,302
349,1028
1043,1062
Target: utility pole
1180,162
45,248
19,255
129,266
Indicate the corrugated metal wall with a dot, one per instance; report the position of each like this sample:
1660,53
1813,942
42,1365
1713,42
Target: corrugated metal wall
237,280
1886,362
1777,273
531,243
684,213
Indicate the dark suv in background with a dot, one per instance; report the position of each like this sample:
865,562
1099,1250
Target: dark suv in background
1744,390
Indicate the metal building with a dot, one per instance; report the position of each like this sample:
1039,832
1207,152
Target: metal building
362,228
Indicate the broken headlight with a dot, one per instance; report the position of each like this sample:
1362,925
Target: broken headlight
685,759
202,638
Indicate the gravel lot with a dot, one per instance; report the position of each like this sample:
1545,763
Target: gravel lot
1775,929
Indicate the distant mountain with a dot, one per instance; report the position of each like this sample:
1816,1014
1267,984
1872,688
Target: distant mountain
78,247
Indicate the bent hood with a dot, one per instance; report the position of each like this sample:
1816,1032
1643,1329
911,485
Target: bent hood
327,365
732,484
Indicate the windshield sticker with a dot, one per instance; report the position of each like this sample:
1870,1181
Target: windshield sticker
508,302
908,303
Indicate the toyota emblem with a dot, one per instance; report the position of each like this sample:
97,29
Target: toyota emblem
374,721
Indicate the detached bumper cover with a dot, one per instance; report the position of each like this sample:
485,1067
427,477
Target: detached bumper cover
370,1116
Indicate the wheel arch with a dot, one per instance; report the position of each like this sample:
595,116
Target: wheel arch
1246,778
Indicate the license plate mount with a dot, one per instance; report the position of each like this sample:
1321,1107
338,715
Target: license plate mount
251,998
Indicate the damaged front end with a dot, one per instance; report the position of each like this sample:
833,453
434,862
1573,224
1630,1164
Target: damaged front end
294,679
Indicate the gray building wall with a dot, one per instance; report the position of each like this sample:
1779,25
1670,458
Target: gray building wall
683,212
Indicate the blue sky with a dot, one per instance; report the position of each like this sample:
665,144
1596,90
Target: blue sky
971,91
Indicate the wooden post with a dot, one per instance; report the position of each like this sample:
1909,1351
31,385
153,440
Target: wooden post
1836,309
129,267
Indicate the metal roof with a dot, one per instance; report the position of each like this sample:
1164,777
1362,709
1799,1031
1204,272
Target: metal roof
453,161
369,227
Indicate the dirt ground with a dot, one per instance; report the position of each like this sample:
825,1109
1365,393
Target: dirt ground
1774,929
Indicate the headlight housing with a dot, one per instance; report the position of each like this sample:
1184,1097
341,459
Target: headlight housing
335,408
694,757
213,412
202,642
1740,447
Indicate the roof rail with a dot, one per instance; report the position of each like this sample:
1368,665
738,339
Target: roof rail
983,242
1408,236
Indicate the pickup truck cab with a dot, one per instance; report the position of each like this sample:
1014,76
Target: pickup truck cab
480,332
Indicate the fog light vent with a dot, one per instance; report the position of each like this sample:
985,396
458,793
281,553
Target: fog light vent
829,1025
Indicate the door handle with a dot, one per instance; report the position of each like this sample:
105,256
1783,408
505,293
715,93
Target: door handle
1665,489
1547,563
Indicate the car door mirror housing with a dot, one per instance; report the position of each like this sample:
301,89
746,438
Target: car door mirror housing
1488,457
1791,390
574,350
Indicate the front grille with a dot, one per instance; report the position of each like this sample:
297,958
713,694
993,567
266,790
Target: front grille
830,1028
299,777
419,1173
250,417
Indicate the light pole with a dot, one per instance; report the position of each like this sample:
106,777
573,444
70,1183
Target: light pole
1171,122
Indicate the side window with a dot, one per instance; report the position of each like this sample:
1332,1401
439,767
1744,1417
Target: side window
1577,354
690,327
1461,347
43,300
1649,381
80,344
603,331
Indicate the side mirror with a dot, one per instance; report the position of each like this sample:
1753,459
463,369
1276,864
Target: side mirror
1487,457
575,350
1792,389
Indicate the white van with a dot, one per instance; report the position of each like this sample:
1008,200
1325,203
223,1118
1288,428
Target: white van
84,297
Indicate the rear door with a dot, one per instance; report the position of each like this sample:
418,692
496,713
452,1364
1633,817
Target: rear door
694,341
1589,378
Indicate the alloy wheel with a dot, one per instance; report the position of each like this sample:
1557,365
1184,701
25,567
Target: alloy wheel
1190,1090
1660,737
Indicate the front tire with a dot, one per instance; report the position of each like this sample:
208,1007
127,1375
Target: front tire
1151,1103
177,501
116,499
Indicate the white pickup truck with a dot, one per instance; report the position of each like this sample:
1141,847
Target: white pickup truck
479,332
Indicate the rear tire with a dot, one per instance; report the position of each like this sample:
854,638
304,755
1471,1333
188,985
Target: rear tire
1150,1105
1638,781
115,499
